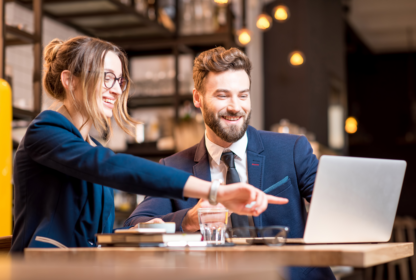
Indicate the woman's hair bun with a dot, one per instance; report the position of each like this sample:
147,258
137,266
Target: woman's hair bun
51,50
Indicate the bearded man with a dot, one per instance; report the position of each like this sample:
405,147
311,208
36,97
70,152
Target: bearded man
232,151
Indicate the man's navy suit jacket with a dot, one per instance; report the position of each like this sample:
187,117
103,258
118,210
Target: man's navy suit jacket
282,164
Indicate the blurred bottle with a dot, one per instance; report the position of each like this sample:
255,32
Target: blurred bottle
208,10
187,17
220,17
151,9
152,130
141,6
198,24
126,2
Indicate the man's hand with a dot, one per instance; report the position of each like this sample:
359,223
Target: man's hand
190,223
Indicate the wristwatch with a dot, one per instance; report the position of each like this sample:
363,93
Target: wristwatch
212,197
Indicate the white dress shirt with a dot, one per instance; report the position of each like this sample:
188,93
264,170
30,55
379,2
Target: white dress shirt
219,169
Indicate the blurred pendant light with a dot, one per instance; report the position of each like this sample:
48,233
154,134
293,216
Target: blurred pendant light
264,21
221,1
351,125
281,13
296,58
244,35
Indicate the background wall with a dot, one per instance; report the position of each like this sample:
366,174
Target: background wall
301,94
254,51
381,91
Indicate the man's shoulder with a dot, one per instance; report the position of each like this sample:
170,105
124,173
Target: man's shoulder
272,137
182,157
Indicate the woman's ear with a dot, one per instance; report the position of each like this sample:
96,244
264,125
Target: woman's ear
197,98
66,80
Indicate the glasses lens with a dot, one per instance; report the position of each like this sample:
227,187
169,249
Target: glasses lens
123,84
109,79
274,236
241,236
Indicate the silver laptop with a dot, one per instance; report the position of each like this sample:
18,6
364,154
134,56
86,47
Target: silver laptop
354,200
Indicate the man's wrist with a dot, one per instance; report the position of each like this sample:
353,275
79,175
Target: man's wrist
187,224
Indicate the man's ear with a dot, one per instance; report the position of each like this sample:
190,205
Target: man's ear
197,98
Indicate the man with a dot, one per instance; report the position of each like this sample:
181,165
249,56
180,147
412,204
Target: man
234,151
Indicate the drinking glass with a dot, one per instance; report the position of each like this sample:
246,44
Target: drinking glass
213,223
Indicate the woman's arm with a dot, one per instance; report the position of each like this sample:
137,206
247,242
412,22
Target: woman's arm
53,141
234,197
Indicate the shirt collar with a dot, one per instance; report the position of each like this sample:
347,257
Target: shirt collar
239,148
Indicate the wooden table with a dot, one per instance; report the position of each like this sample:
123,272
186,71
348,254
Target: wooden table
14,268
220,263
356,255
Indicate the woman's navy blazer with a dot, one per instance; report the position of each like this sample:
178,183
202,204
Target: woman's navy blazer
61,184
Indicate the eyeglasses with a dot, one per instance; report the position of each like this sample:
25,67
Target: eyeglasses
271,236
110,80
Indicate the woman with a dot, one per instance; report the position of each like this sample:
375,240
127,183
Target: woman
63,177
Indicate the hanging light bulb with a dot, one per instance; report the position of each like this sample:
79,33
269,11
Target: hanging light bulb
281,13
244,36
221,1
351,125
264,22
296,58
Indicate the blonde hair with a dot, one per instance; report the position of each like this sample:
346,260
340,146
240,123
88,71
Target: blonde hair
82,56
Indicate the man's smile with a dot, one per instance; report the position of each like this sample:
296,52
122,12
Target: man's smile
231,119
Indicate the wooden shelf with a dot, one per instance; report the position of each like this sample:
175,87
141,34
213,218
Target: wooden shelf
21,114
156,101
147,150
102,18
16,36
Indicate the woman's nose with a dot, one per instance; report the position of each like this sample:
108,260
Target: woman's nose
116,89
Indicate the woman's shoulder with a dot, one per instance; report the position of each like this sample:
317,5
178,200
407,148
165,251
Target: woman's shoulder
52,121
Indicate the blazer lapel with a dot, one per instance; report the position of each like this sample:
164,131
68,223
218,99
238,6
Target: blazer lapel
255,163
201,169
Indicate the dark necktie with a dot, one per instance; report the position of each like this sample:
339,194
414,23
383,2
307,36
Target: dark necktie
232,177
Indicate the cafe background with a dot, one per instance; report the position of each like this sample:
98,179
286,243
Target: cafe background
340,72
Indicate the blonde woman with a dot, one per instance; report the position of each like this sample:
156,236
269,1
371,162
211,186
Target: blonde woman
63,177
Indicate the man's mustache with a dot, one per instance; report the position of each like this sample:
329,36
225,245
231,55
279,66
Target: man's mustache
227,114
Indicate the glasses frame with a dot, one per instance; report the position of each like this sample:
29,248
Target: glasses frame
115,80
259,239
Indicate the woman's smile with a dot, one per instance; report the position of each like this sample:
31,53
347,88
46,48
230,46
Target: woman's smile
109,102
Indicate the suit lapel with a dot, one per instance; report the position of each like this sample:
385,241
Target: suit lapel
201,169
255,163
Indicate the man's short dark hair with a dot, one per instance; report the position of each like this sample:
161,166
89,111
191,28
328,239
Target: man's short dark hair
218,60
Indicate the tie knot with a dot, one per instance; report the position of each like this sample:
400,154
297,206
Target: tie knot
228,159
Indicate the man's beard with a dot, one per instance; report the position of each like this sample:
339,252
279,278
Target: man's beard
229,134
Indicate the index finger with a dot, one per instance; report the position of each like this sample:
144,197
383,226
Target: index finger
276,200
